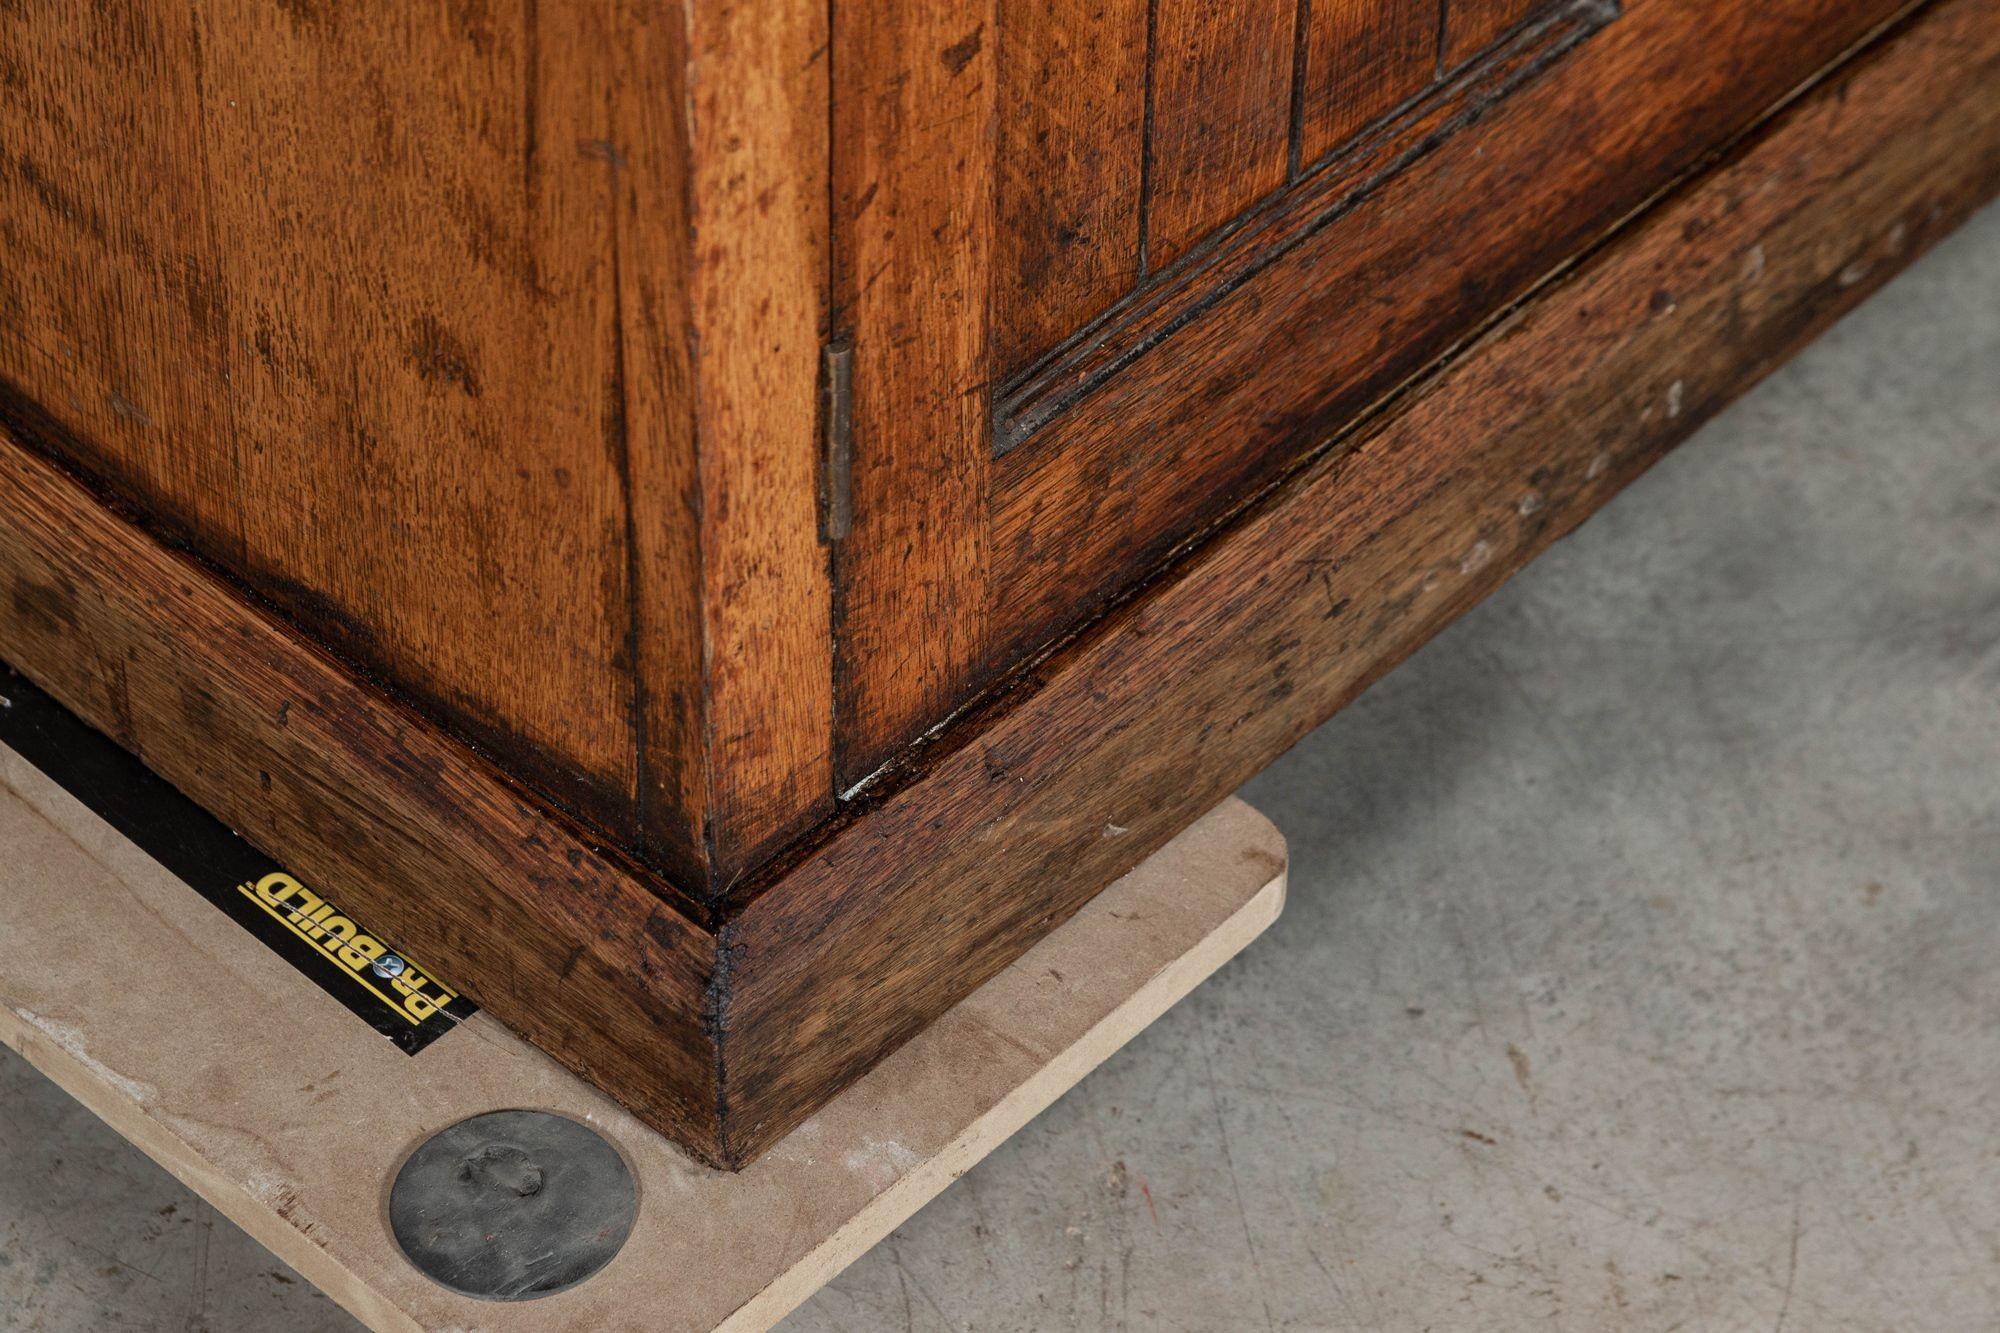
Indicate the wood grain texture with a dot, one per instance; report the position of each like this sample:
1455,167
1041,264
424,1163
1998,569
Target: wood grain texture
914,180
1380,290
262,235
1178,300
424,263
601,966
760,291
392,316
112,288
643,163
1073,85
1470,26
1116,742
1220,119
1362,59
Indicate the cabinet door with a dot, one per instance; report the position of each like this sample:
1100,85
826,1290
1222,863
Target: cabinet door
1108,267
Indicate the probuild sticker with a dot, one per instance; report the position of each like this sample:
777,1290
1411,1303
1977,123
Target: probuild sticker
390,991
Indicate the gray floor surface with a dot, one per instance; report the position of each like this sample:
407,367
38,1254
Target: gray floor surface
1642,966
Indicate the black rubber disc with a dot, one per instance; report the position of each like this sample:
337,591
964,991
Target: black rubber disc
512,1205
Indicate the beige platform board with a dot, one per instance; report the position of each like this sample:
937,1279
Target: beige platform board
275,1104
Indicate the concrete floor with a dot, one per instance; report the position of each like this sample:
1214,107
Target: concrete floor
1640,968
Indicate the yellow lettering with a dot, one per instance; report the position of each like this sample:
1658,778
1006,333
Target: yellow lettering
277,886
336,931
309,903
361,951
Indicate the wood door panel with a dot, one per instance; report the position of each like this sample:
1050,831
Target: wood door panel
1362,59
1242,387
914,171
1324,283
1219,123
1024,198
1470,26
1235,102
1178,300
1072,147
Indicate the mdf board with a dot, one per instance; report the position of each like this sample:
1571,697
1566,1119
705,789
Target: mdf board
718,610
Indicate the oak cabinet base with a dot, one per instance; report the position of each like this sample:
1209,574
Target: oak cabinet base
726,1017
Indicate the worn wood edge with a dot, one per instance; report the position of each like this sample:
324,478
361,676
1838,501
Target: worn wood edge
995,838
1234,858
651,431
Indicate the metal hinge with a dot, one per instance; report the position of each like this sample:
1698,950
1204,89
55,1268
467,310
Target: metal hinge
836,482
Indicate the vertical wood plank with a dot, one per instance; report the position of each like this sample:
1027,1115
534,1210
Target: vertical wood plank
1363,58
759,187
637,94
1473,25
1073,83
913,196
113,310
1221,116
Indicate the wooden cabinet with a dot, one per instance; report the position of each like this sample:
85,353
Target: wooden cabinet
673,505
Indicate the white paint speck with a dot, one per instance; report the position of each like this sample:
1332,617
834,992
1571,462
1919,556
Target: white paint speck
71,1042
1675,392
881,1162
